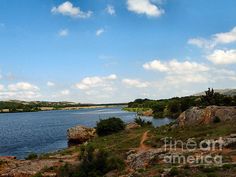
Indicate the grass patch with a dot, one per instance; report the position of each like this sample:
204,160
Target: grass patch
198,132
120,142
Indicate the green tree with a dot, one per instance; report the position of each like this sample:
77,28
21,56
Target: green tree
109,126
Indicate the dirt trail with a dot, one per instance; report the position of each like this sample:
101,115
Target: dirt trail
143,146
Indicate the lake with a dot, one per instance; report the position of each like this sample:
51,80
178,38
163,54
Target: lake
42,132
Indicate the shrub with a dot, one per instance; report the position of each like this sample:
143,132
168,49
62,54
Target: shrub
216,119
174,171
97,162
109,126
94,163
227,166
142,122
31,156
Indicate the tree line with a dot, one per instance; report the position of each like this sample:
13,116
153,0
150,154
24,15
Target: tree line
173,107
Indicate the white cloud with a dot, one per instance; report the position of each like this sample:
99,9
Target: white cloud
155,65
100,32
21,91
215,39
188,78
50,84
68,9
96,81
110,10
146,7
225,38
201,43
63,32
175,67
22,86
135,83
222,57
1,87
65,92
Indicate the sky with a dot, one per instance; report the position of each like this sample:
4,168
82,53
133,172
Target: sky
106,51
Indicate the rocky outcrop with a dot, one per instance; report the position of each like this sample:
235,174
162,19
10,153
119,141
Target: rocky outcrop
10,167
147,113
144,158
132,125
197,116
80,134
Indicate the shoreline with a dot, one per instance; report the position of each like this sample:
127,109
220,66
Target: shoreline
41,109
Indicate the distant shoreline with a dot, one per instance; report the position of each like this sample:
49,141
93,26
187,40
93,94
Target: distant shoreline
40,109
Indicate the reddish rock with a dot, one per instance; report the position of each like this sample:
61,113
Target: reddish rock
197,116
80,134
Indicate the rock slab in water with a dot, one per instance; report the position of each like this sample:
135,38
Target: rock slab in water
80,134
197,116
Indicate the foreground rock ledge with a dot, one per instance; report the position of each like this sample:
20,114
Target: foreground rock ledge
80,134
198,116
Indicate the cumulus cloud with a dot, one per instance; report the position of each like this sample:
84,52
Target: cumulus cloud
63,32
50,84
225,38
175,66
135,83
189,78
25,86
215,39
100,31
68,9
220,57
96,81
110,10
146,7
20,90
179,72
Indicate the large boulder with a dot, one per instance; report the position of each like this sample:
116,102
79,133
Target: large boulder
197,116
80,134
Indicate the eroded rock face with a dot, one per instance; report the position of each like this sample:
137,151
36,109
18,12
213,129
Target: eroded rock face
80,134
197,116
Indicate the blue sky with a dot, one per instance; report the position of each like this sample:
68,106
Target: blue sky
115,51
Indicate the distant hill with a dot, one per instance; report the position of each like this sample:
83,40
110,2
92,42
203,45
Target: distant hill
227,92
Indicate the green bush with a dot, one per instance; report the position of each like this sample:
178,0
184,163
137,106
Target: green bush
216,119
227,166
174,171
109,126
94,163
142,122
31,156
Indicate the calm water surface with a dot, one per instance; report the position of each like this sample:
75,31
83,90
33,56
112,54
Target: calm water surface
41,132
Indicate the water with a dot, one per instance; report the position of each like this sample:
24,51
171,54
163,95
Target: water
42,132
